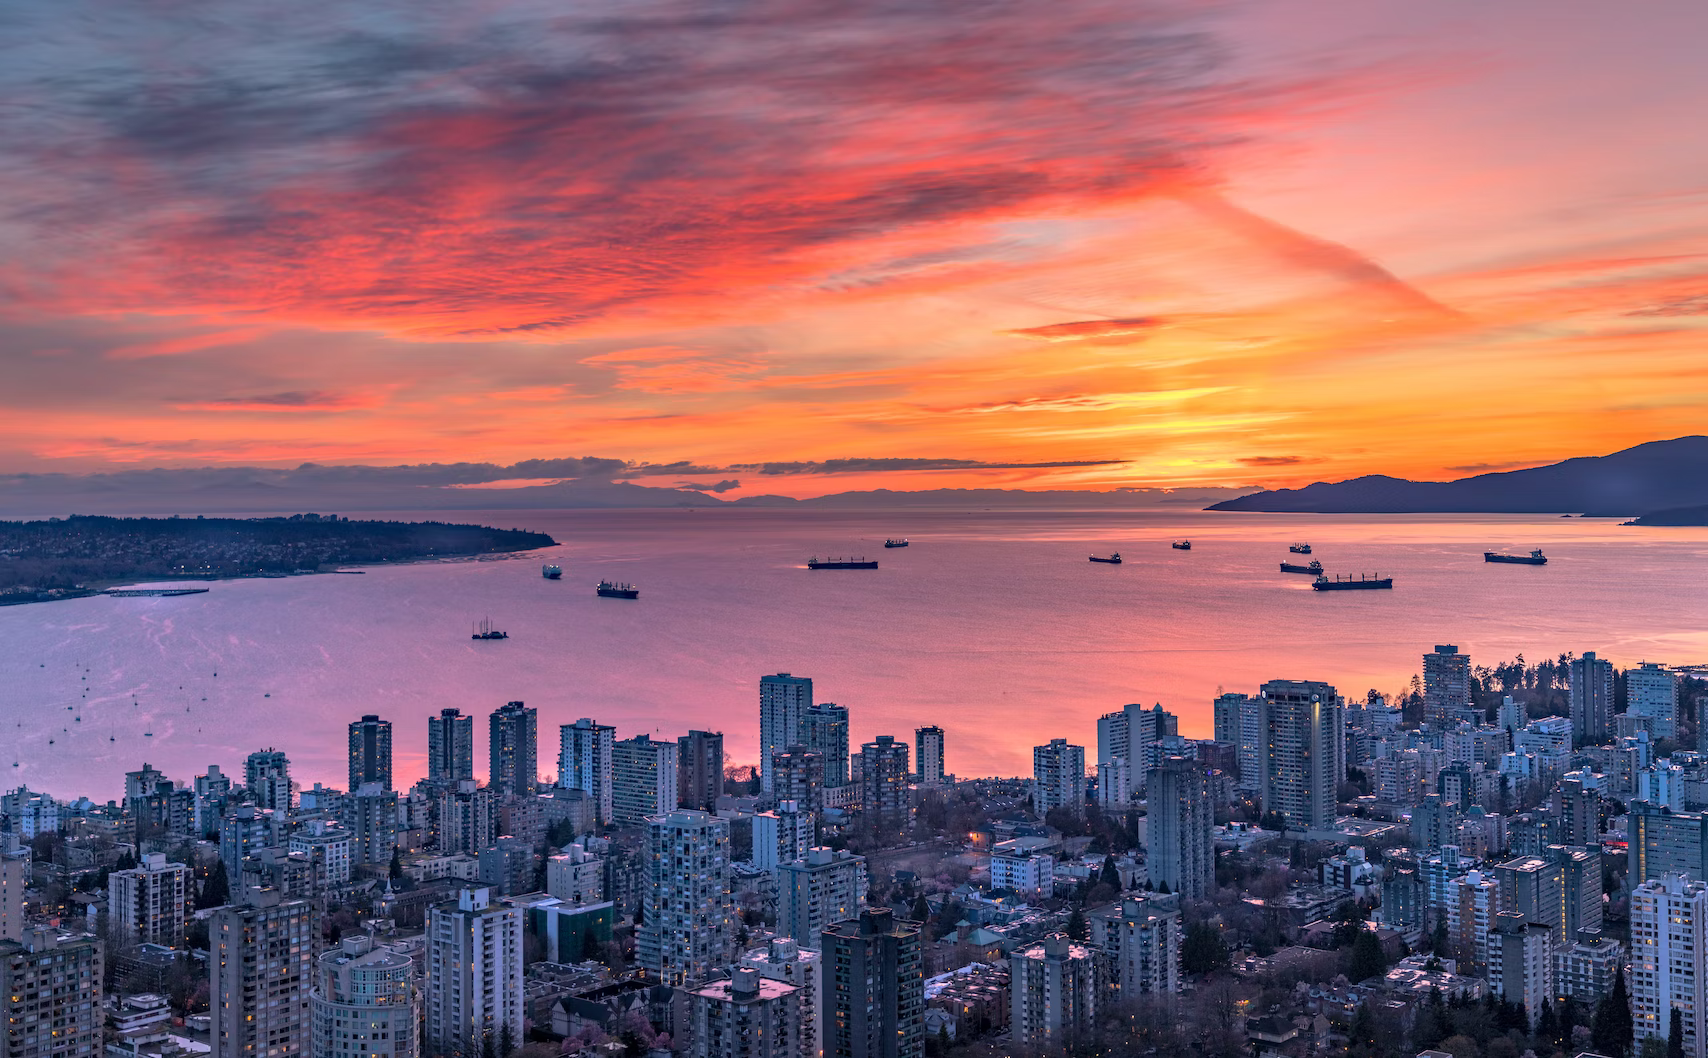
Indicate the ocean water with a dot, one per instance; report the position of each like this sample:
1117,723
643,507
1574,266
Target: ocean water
992,625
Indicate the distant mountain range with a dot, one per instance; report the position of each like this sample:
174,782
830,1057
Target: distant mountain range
250,490
961,499
1660,476
1659,483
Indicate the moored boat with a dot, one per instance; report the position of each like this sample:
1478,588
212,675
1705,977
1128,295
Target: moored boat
1353,582
1535,558
1297,567
486,631
1113,560
896,543
842,563
551,571
1181,545
1299,549
612,589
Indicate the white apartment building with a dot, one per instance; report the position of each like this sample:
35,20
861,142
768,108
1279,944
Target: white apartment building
364,1003
1669,942
474,975
1025,873
1140,936
584,762
826,887
1058,777
261,957
576,876
149,903
782,835
1652,692
687,925
783,701
643,779
1054,988
783,959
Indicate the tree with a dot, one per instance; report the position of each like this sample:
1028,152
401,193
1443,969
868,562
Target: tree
1367,958
1570,1017
1675,1035
921,909
1547,1024
1361,1041
1111,874
1431,1022
949,917
1612,1031
216,891
1461,1047
396,874
1077,927
506,1040
1438,938
1203,950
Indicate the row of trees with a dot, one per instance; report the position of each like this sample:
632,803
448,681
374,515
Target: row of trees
1494,1028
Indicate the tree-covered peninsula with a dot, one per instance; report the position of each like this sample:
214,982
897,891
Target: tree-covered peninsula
60,556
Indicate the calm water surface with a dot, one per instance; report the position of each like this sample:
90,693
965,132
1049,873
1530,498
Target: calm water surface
992,625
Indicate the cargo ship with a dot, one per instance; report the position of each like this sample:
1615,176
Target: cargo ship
551,572
842,563
1299,549
486,631
1361,582
1113,560
1181,545
611,589
896,543
1295,567
1535,558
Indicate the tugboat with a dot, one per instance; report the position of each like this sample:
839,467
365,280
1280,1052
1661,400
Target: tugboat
612,589
896,543
842,563
1295,567
1362,582
551,572
1535,558
486,631
1181,545
1299,549
1113,560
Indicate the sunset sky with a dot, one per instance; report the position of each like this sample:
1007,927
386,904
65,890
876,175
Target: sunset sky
1264,242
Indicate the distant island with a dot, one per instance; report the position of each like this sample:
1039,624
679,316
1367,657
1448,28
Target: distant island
67,557
1654,477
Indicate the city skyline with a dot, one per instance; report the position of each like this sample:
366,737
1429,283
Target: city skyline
895,529
600,741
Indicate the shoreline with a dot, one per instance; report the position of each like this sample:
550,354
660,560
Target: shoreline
102,587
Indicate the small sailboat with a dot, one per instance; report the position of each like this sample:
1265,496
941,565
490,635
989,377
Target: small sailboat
486,631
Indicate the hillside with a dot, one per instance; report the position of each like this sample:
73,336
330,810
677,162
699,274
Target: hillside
1649,477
